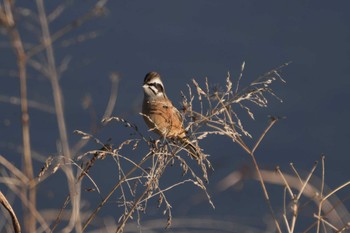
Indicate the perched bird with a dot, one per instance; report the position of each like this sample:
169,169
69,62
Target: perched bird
161,116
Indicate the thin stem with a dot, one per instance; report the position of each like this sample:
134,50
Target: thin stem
131,211
266,195
7,206
53,76
324,199
285,182
323,175
273,121
17,44
104,201
261,179
306,181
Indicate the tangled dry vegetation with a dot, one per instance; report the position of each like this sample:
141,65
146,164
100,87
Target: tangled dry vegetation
208,110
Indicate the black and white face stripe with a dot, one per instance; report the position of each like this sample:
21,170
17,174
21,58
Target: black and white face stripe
153,85
156,87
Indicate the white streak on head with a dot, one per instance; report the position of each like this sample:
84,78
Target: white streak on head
153,86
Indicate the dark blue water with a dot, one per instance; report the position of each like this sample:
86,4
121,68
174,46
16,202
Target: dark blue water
197,39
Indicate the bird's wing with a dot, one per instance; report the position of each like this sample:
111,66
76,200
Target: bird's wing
169,105
178,114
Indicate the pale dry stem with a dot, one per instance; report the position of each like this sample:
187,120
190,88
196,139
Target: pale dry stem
74,190
221,118
161,155
7,19
8,207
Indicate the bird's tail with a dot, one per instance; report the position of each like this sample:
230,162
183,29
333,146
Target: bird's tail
192,149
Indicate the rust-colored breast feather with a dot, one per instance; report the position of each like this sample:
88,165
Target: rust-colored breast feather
163,118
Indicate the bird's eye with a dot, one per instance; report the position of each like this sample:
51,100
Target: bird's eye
159,87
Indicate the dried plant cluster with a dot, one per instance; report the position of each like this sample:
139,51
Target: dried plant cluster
208,111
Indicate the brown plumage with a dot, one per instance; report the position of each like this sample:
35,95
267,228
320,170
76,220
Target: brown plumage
161,116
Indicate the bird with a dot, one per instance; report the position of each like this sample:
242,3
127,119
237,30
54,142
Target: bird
161,116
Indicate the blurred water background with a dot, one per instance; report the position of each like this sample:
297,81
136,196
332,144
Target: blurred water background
183,40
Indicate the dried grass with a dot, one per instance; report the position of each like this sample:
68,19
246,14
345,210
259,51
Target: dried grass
208,110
